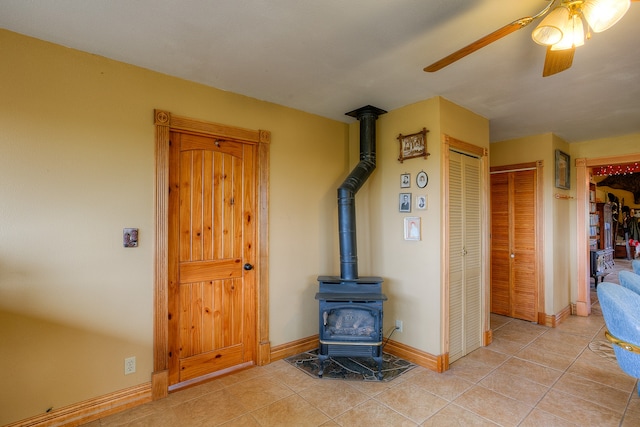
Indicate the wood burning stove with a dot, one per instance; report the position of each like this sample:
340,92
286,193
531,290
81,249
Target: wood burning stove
350,307
350,319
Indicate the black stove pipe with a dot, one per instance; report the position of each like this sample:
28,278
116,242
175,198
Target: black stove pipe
346,192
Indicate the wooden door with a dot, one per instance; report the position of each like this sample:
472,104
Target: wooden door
465,266
211,235
514,273
500,244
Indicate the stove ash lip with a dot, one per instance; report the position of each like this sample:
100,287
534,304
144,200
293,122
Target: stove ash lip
338,280
362,289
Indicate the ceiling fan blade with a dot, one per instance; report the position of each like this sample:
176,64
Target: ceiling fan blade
476,45
557,61
488,39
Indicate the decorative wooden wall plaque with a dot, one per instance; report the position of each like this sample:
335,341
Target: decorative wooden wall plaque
414,145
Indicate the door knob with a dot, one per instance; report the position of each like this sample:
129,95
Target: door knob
248,266
513,255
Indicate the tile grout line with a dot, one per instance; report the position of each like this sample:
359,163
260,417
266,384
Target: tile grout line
493,370
514,356
575,330
566,372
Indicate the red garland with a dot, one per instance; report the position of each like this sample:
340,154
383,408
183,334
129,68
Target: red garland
617,169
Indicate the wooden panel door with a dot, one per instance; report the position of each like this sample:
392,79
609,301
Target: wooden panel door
514,273
500,245
465,243
524,288
211,240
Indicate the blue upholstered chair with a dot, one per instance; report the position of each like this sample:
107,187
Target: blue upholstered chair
635,264
621,315
630,281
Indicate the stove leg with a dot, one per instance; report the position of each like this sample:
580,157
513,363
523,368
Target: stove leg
379,360
321,359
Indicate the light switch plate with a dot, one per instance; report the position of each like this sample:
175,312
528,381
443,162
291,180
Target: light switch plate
130,237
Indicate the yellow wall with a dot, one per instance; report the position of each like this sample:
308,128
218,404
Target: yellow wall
405,265
556,247
411,269
49,364
76,167
606,147
558,262
560,259
463,125
596,149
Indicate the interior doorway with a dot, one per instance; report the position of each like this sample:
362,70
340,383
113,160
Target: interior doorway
583,169
165,123
516,289
617,189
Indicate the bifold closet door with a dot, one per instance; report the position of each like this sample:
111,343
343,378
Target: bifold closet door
514,276
465,269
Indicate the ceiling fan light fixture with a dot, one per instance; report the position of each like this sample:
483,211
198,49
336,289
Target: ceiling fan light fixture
603,14
573,34
549,31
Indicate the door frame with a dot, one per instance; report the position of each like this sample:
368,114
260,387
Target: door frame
482,153
583,300
164,123
538,166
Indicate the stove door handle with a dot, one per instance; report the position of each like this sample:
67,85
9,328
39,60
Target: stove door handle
248,266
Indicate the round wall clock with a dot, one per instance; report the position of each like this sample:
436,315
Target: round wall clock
422,179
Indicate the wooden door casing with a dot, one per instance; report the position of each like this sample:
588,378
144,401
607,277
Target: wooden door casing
211,297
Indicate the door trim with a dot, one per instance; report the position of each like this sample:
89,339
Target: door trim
482,154
164,123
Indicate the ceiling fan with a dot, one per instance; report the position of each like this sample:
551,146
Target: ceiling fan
561,31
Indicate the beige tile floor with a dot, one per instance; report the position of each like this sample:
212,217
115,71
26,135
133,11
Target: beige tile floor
530,375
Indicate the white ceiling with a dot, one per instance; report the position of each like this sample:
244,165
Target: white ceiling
329,57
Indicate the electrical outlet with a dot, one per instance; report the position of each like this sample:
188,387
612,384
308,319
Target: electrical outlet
399,325
129,365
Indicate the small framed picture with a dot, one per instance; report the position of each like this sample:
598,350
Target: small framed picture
412,228
404,202
421,202
405,180
422,179
562,170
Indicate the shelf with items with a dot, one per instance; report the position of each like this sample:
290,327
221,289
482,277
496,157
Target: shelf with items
606,232
594,219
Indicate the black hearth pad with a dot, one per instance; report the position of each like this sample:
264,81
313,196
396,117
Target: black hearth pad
351,368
